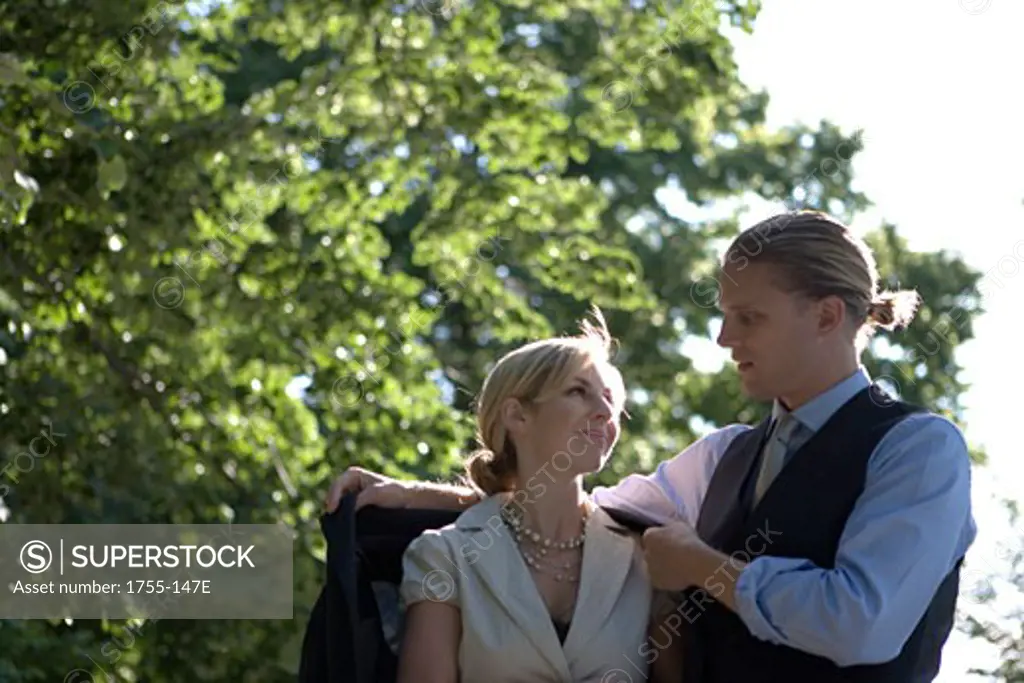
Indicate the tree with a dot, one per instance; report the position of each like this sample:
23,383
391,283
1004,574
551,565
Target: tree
203,211
994,583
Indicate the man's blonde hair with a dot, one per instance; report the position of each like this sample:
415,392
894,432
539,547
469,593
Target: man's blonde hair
819,256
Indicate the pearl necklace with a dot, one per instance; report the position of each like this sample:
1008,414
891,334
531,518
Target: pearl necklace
513,518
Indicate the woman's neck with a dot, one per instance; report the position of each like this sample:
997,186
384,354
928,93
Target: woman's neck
555,510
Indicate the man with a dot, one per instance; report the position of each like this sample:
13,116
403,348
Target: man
825,543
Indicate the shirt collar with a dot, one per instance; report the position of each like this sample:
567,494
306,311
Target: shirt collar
815,413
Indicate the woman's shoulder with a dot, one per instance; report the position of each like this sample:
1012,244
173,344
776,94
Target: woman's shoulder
480,516
434,541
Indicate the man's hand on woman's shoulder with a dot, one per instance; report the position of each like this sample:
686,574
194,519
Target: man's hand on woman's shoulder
371,489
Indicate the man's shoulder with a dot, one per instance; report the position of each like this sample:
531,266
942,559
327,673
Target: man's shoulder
924,422
717,441
928,434
729,431
709,448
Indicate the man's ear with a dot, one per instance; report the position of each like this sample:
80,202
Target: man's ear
831,314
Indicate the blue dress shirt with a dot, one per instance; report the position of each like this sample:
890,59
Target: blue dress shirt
910,526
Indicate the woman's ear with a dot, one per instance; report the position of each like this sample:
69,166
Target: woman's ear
513,416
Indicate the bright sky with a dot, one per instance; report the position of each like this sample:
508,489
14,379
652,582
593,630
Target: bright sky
933,83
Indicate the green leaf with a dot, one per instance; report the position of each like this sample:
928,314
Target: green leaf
11,70
112,175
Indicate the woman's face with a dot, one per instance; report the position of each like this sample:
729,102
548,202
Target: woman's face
574,430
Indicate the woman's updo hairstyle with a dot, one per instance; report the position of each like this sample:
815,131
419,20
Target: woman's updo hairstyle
531,374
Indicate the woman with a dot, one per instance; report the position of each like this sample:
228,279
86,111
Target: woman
534,582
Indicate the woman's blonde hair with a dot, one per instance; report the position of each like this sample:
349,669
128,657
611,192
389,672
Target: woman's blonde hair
818,257
531,374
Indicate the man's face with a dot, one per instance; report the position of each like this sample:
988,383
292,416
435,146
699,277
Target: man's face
772,334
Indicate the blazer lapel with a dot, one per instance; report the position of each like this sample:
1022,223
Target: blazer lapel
607,557
501,568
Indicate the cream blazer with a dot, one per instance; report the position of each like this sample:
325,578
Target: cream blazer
507,634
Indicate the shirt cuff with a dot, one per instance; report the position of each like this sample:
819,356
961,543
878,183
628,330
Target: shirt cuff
751,608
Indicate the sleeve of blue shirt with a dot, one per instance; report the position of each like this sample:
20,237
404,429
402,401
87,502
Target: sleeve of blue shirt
910,526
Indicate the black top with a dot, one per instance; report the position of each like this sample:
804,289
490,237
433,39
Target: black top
562,629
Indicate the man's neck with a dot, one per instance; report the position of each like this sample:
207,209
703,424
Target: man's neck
820,380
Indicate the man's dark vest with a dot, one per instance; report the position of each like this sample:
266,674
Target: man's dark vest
803,514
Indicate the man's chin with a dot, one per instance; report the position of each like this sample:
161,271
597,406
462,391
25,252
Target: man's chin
755,391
